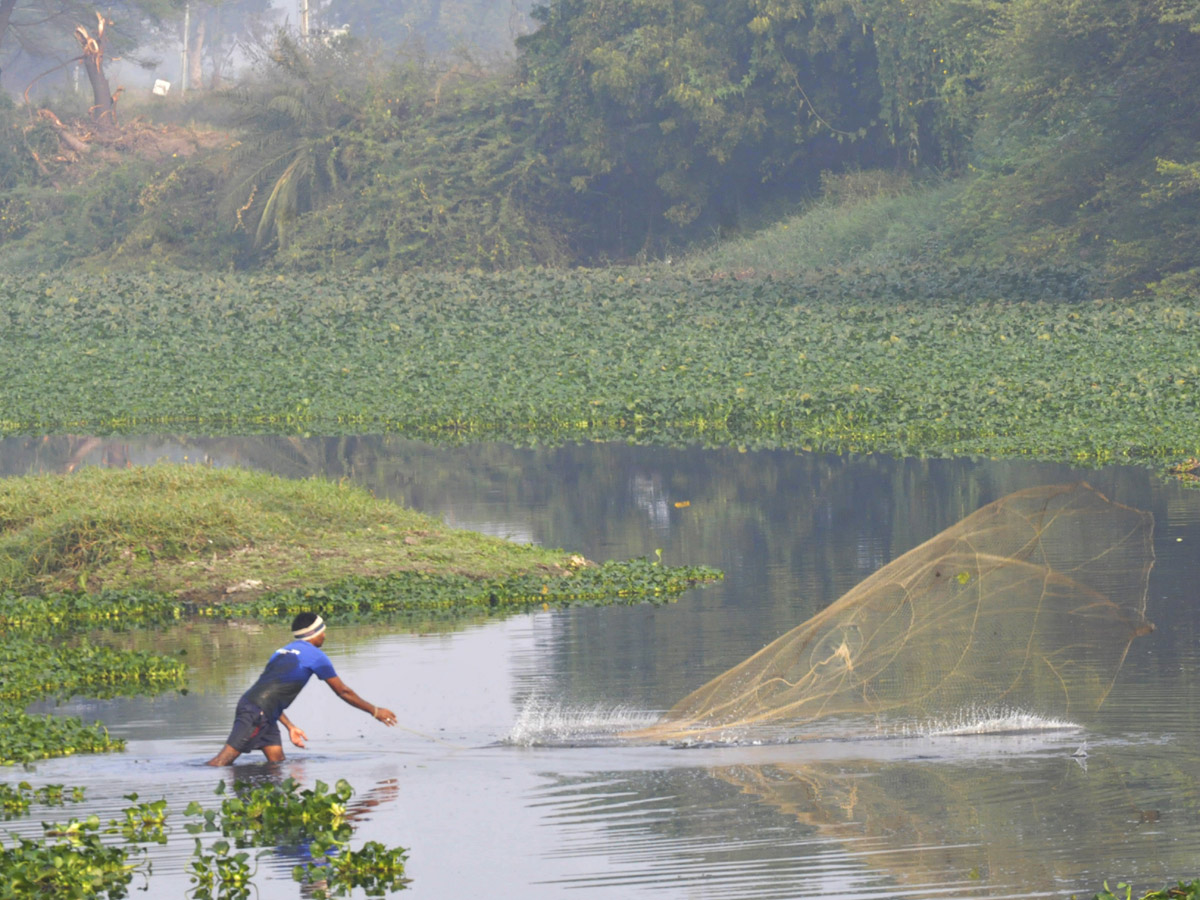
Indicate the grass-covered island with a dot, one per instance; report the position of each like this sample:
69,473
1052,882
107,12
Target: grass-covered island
103,549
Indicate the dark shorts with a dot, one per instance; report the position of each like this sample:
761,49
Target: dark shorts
252,730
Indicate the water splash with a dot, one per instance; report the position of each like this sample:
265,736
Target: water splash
547,723
543,723
996,721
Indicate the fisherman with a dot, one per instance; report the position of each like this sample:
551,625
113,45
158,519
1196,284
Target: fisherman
261,709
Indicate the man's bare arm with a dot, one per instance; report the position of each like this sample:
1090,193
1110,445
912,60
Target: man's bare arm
347,693
296,736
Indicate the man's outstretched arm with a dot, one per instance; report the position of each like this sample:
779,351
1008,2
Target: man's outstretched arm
347,693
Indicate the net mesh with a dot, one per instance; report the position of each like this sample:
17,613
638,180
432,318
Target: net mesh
1028,604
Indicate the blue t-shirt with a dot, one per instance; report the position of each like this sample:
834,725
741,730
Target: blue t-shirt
287,671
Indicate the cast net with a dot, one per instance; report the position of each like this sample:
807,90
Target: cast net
1028,605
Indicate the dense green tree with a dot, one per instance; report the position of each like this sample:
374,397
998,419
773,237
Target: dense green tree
932,67
441,172
344,160
690,112
1090,105
629,127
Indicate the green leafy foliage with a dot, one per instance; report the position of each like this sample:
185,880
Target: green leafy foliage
75,864
144,822
291,120
376,868
22,144
628,130
352,599
923,359
271,814
50,662
220,873
31,669
1079,114
667,115
15,800
344,161
1183,890
263,815
70,860
25,738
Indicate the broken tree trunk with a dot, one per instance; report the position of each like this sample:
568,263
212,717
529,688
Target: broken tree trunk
103,106
70,141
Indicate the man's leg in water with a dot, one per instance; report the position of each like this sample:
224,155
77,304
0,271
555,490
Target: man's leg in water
252,730
225,757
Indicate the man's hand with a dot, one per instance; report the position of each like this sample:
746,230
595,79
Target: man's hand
386,716
297,736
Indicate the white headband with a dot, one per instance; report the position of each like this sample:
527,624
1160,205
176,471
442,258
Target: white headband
310,631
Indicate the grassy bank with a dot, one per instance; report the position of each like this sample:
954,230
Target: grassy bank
864,219
914,360
203,534
83,554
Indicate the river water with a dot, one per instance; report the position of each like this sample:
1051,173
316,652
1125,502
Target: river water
495,782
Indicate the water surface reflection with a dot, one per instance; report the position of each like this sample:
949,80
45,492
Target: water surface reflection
1017,815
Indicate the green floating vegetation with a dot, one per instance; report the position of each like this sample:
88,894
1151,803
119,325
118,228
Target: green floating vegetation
77,863
929,360
144,823
265,815
375,867
352,599
1183,890
220,873
15,800
71,860
274,814
25,738
31,669
53,663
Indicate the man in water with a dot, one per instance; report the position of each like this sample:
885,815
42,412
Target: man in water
261,709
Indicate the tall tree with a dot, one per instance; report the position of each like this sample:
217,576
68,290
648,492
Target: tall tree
670,114
93,45
1088,103
216,29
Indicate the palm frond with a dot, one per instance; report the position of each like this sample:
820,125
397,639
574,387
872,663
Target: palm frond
289,108
282,205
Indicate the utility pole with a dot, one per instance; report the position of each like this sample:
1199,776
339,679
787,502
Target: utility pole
304,19
183,64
